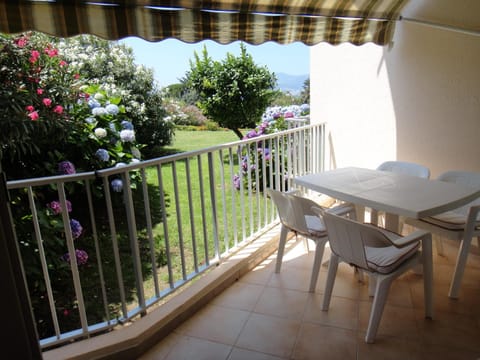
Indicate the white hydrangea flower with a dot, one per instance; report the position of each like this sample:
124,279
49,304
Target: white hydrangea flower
100,132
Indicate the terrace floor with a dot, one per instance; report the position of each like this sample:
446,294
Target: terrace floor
268,316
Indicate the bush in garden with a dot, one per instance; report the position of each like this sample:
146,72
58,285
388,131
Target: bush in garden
274,119
37,88
194,115
255,155
55,121
112,66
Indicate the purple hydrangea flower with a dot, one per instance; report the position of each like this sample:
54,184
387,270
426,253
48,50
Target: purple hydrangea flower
81,255
66,168
76,228
251,134
266,153
127,135
117,185
112,109
236,182
57,207
102,155
127,125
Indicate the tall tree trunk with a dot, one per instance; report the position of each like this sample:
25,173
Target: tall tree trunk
238,133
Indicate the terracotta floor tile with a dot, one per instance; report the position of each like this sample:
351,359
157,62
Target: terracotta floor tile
188,348
341,313
389,348
241,295
317,341
282,303
268,316
216,323
243,354
269,334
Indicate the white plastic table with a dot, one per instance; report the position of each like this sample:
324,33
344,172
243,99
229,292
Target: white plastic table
396,194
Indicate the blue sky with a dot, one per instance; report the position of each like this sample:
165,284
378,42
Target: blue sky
170,58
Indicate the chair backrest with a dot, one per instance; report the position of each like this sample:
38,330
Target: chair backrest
349,238
467,178
292,209
405,168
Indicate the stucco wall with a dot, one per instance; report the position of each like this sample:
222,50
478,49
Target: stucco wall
416,100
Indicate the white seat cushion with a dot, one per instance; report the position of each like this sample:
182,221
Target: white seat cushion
448,220
386,259
315,226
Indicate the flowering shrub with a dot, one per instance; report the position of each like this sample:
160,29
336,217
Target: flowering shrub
56,122
107,133
37,86
111,65
259,154
285,112
273,119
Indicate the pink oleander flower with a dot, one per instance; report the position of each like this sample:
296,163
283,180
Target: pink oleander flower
30,108
39,91
21,42
33,115
34,55
47,101
58,109
62,63
51,52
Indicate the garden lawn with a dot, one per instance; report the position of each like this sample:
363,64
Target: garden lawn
191,141
196,140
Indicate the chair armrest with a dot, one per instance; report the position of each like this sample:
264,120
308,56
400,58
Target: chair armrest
411,238
473,214
472,220
296,192
342,209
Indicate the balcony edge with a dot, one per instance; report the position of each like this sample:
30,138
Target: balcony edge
133,340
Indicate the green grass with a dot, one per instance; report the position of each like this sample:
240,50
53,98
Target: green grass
196,140
190,141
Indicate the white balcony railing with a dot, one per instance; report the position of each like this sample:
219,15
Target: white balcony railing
174,217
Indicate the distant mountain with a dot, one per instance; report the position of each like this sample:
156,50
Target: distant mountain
291,83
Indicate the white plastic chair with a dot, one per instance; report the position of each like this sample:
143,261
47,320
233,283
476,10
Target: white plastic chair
400,167
296,215
382,254
462,224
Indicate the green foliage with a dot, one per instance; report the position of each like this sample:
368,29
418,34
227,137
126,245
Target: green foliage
55,121
37,88
233,92
112,65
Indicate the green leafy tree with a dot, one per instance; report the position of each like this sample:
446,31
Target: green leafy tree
234,92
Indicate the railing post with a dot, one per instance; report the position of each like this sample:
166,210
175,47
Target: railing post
213,199
20,341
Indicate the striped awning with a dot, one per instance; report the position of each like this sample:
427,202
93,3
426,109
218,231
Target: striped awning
225,21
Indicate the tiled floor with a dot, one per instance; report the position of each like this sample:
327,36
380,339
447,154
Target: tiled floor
268,316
